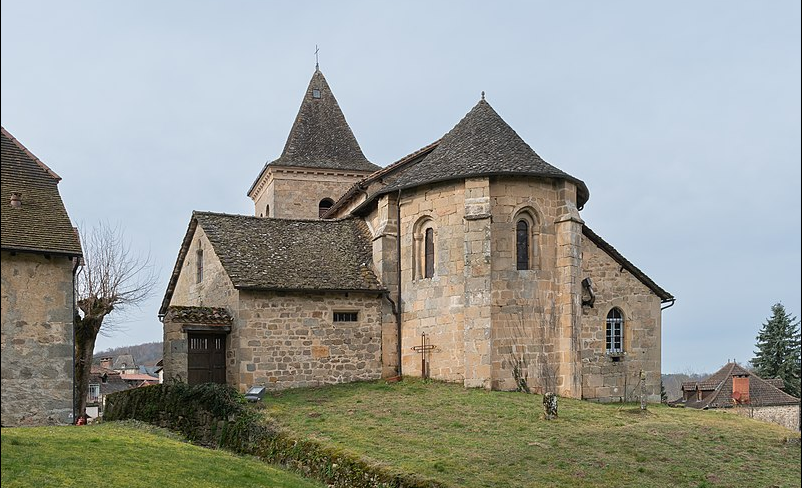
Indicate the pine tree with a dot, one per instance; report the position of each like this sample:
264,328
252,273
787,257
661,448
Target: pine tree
778,352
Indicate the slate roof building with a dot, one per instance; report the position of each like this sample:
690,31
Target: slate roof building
471,247
40,252
734,388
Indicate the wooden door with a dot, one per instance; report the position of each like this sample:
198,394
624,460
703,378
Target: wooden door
206,359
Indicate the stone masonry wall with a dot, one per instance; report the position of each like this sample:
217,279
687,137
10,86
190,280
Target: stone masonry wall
604,379
785,415
294,193
434,306
215,290
36,339
525,325
289,339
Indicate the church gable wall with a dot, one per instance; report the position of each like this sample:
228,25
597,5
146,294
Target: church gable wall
291,339
604,378
213,290
525,326
36,340
435,305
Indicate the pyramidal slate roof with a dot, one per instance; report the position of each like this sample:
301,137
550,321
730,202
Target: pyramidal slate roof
481,144
41,223
761,392
282,254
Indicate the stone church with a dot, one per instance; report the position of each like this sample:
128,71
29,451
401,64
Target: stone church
465,261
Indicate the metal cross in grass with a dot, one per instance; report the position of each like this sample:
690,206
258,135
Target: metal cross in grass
422,349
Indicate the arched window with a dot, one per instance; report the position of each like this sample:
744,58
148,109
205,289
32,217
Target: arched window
522,244
267,210
324,206
615,331
429,253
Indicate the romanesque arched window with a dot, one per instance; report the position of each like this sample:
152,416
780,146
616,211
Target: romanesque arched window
522,244
424,234
614,335
428,253
324,206
527,239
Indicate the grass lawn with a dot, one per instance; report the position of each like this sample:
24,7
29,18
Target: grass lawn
478,438
126,455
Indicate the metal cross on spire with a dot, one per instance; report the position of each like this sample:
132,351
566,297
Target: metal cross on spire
317,62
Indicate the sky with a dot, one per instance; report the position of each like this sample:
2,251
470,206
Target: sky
682,118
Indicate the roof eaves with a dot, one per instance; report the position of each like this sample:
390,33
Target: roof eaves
626,264
35,250
308,290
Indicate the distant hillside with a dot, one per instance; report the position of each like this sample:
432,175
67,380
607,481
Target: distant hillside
144,354
673,383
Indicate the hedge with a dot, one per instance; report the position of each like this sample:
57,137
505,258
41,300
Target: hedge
218,416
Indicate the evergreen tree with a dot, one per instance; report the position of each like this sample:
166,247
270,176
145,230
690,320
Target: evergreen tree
778,352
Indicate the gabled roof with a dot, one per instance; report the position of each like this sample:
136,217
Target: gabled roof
283,254
320,136
762,393
481,144
41,223
624,262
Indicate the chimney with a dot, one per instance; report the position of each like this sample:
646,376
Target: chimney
740,389
16,200
105,362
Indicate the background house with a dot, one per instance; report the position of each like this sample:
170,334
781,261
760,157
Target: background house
735,389
40,254
102,382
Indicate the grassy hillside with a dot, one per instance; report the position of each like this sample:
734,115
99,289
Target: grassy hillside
479,438
124,455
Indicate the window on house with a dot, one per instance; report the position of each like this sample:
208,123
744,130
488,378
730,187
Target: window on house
94,393
522,244
315,93
267,210
428,253
199,269
346,316
615,331
324,206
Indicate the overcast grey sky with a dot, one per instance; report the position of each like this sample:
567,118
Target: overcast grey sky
683,119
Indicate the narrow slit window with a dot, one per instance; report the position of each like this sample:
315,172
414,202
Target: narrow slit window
346,316
522,244
199,269
615,331
429,253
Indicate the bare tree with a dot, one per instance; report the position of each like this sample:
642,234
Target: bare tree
111,279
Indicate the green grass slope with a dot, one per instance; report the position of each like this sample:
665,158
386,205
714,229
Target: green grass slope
125,455
478,438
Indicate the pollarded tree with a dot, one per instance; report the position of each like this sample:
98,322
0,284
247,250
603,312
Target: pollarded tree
778,349
111,279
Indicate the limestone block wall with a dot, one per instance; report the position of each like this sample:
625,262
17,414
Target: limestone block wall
36,339
785,415
602,378
289,339
214,290
524,311
383,225
434,306
294,193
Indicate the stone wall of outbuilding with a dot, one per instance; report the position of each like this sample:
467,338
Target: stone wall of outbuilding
290,339
214,290
785,415
36,339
